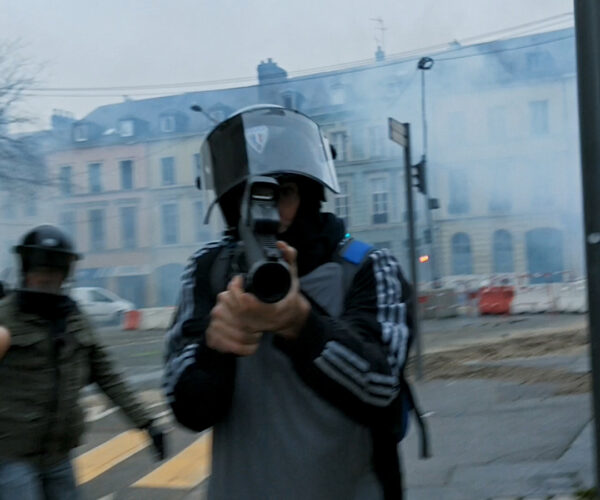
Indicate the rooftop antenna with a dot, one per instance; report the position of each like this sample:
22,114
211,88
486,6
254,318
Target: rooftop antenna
380,41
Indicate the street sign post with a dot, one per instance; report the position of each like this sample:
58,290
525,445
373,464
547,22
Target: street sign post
400,134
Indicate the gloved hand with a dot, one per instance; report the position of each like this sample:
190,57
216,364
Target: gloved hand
158,440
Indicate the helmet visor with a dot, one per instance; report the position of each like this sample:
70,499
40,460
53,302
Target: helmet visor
266,141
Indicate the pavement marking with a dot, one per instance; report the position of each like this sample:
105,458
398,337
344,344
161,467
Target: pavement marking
98,460
184,471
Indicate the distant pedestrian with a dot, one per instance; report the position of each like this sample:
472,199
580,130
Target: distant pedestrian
53,354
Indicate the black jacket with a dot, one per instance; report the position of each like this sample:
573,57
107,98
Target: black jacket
372,333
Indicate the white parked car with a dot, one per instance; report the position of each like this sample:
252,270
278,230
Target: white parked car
101,305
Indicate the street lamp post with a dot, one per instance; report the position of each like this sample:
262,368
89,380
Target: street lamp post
425,64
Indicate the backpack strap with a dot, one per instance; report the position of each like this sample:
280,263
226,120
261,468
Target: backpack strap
350,255
424,451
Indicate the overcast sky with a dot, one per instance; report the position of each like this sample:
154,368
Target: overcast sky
119,43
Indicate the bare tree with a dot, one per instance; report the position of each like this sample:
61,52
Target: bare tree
21,165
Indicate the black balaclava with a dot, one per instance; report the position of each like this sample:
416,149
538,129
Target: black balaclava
50,306
315,235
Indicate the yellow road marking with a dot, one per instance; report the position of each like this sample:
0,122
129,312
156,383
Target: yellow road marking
98,460
185,470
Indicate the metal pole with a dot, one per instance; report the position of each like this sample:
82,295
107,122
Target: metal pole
412,249
587,37
432,255
423,113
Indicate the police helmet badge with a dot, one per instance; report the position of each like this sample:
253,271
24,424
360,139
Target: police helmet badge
257,137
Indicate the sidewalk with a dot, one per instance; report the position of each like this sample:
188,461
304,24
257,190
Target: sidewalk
499,439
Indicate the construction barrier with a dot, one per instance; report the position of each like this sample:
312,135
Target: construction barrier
153,318
437,304
499,294
495,299
157,318
131,320
513,293
572,297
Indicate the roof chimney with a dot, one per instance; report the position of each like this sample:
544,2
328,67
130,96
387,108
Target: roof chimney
269,72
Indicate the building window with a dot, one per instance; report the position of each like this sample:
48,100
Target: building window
339,142
496,119
97,236
126,167
167,123
379,199
129,227
338,95
503,252
544,250
535,61
170,223
126,128
66,221
539,117
376,141
459,193
167,170
65,180
198,170
95,177
80,132
342,203
461,254
202,230
289,99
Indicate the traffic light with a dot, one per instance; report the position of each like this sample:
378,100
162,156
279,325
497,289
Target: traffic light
420,176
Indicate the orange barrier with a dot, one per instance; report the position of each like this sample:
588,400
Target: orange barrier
132,320
496,299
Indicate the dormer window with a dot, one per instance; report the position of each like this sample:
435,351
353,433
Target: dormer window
290,99
81,132
167,123
126,128
338,95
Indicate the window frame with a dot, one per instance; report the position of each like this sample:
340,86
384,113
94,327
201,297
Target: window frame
378,216
91,168
166,224
163,170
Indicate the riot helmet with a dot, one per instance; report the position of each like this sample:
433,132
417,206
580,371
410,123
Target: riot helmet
265,140
46,246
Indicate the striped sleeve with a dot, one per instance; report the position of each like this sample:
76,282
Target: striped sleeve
356,360
391,307
192,313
